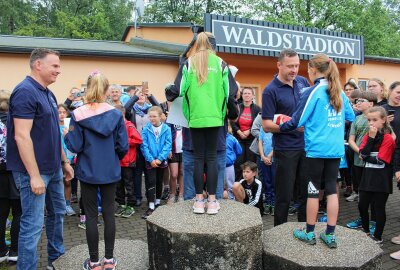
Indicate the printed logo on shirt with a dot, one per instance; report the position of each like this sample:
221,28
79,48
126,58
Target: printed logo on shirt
335,119
249,194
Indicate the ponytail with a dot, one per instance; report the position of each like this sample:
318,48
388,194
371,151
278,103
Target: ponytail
326,66
97,86
199,60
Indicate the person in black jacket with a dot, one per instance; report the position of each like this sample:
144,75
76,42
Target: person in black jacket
136,111
241,129
249,190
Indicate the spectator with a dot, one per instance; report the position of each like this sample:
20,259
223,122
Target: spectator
116,93
74,99
97,134
127,94
378,87
233,150
156,147
63,113
35,158
249,189
9,194
126,200
376,150
267,170
136,111
248,111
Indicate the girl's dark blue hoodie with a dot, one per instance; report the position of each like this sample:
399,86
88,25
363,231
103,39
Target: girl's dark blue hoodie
99,138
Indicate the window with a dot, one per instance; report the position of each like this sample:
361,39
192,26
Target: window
362,84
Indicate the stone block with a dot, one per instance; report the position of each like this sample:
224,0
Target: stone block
355,250
179,239
131,254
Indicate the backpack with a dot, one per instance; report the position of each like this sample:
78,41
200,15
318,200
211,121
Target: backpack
3,145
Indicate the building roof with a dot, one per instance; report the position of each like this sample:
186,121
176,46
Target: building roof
139,25
25,44
138,48
382,59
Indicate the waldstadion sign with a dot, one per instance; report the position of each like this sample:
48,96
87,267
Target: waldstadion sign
243,36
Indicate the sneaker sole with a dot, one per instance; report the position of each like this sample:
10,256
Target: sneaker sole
212,212
127,216
12,259
199,210
115,266
311,243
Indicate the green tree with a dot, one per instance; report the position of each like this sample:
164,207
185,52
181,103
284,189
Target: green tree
98,19
188,10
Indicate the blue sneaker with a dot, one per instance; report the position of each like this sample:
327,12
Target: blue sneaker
355,224
372,226
324,218
302,235
329,239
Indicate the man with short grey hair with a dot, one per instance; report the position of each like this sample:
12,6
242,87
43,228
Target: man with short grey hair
115,92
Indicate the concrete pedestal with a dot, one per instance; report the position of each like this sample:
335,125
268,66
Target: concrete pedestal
355,250
180,239
130,255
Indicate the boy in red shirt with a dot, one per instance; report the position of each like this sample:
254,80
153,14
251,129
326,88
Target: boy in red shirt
128,164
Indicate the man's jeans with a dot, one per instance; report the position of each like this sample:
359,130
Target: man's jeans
33,217
189,192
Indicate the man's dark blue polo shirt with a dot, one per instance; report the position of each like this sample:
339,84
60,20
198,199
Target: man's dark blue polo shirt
281,98
30,100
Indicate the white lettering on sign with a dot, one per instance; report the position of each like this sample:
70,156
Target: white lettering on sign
257,37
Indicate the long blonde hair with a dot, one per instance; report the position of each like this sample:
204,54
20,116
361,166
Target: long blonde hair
326,66
199,60
385,92
97,86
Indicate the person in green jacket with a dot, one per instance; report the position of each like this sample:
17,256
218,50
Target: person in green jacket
203,83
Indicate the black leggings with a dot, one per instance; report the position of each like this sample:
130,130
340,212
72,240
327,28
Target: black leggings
89,197
356,177
5,205
154,184
379,200
205,151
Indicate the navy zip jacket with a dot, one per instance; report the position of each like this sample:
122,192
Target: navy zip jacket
100,140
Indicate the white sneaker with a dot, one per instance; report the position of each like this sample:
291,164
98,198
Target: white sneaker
395,255
214,207
4,258
198,206
396,240
69,211
353,197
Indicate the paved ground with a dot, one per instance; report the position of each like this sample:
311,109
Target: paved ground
134,228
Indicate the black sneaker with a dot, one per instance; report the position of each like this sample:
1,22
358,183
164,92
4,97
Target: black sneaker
292,210
348,191
138,203
165,194
147,213
377,241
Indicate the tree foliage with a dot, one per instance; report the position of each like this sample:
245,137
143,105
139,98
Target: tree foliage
188,10
87,19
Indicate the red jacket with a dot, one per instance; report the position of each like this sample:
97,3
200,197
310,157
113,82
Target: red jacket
134,140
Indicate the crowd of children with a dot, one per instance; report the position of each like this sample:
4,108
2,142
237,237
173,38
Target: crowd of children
143,142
